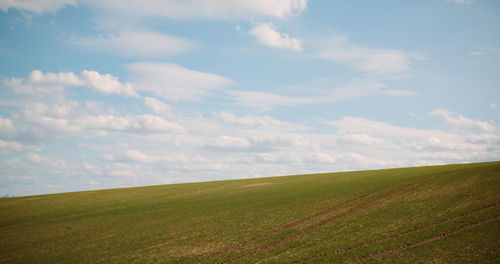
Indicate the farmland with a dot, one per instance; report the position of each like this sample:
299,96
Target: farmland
434,214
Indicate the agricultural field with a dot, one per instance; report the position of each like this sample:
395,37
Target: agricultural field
435,214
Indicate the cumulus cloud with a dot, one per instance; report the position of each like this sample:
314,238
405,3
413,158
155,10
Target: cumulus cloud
140,156
174,82
136,124
359,143
287,157
207,9
265,100
416,146
267,35
461,122
35,6
10,146
283,141
45,160
56,108
229,142
372,60
157,106
484,139
358,139
39,82
255,121
135,44
106,84
62,176
6,126
262,143
38,121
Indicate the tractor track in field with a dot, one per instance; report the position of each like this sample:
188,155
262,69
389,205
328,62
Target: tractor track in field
284,228
387,238
312,228
422,241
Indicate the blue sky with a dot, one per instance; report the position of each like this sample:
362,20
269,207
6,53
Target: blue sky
101,94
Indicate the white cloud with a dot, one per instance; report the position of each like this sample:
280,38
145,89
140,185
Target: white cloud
45,160
155,124
209,9
107,84
262,143
378,129
135,44
460,122
39,82
104,122
8,147
246,152
398,92
373,60
417,143
139,156
40,122
6,126
358,139
24,175
173,82
35,6
58,108
47,125
228,142
136,124
484,51
37,77
484,139
53,83
283,141
254,121
135,155
157,106
288,157
266,34
122,170
351,91
461,2
155,142
266,101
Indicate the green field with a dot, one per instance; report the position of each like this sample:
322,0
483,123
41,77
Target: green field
437,214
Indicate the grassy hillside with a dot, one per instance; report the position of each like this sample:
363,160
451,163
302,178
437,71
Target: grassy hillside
438,214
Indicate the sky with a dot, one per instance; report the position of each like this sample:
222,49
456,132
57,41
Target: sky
101,94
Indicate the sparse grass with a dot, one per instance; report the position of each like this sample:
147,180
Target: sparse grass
191,223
